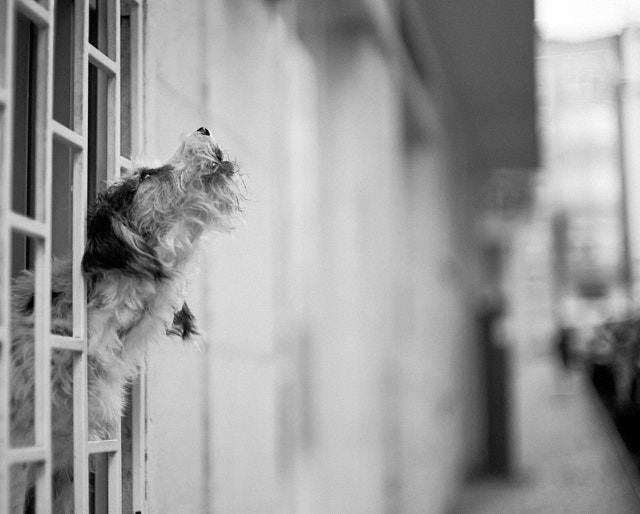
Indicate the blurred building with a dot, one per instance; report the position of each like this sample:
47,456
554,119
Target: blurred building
387,147
573,247
344,372
580,246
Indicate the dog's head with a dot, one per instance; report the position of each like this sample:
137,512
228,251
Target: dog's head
149,219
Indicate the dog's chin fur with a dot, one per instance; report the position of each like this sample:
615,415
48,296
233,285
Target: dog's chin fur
143,233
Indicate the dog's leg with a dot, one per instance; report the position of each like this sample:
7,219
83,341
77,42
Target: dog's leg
19,487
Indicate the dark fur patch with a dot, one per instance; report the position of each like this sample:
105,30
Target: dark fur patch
147,173
106,250
184,323
27,307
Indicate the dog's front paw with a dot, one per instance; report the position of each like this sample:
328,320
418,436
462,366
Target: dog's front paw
184,324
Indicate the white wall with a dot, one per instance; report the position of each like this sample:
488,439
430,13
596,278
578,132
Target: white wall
336,316
176,424
355,332
437,331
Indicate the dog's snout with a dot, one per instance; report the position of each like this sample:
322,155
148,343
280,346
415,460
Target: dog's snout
227,168
204,131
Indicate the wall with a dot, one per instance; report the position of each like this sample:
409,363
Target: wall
438,442
338,317
174,97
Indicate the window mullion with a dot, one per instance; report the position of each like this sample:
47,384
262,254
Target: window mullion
42,283
113,171
113,89
7,28
80,173
136,78
138,393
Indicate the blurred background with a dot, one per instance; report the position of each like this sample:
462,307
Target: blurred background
431,305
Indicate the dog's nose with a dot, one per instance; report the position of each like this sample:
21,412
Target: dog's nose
204,131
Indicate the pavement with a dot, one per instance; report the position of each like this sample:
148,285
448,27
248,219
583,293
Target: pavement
568,458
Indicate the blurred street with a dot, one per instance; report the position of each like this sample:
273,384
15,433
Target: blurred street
569,460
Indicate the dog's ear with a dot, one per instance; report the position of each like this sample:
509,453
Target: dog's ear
111,246
184,324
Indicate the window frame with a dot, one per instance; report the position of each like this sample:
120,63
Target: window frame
39,229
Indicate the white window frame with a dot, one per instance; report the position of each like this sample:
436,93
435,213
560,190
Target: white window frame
39,230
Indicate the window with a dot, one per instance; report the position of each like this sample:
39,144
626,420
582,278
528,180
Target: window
70,118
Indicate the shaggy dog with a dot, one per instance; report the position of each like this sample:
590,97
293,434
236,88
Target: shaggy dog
141,236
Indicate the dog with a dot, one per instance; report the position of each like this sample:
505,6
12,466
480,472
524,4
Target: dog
142,237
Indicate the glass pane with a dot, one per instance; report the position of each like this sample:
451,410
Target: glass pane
99,484
22,254
63,63
23,494
62,422
24,91
125,82
22,369
127,453
98,37
62,210
97,152
62,240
